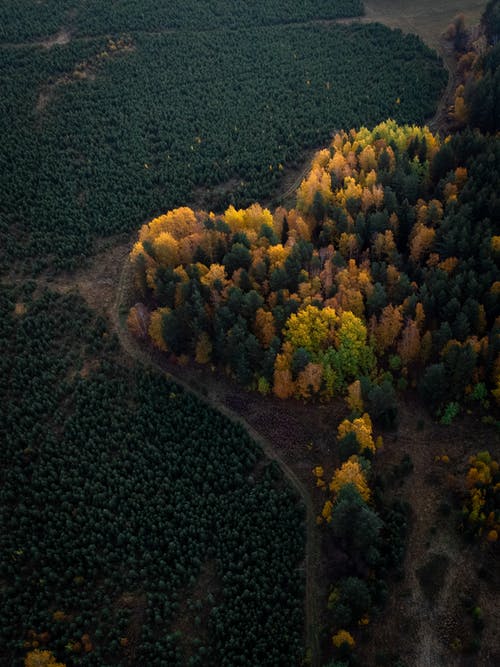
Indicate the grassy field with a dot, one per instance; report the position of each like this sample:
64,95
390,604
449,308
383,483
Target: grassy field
427,18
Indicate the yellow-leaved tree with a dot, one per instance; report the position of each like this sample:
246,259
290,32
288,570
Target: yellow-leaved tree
166,250
283,384
350,472
38,658
343,638
311,328
362,429
155,330
264,327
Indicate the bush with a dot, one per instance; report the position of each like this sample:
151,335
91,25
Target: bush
347,446
383,406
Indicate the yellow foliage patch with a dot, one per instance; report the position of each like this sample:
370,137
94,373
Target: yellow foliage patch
343,637
362,429
350,473
39,658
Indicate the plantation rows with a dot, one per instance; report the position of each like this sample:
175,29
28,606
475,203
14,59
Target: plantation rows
128,128
22,20
118,491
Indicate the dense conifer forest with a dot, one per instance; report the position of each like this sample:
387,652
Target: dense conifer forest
226,109
140,523
113,509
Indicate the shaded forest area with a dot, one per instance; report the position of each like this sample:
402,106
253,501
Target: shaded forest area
22,20
81,158
114,509
140,526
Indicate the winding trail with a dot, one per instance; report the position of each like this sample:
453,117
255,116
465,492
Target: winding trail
312,554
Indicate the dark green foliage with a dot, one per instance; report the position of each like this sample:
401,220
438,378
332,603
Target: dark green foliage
376,300
382,404
353,600
107,152
347,446
483,99
237,258
356,525
301,358
395,531
23,20
448,379
121,484
434,386
491,21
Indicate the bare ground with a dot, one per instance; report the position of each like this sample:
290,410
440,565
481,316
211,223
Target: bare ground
59,39
436,630
426,18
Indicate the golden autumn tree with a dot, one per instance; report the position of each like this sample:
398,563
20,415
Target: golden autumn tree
277,255
178,222
350,472
318,181
311,328
362,428
384,245
354,356
387,328
339,166
297,227
248,220
264,327
368,158
343,638
138,321
155,330
421,241
409,345
166,250
348,245
38,658
283,384
481,508
351,191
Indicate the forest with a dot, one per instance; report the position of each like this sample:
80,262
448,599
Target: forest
22,20
120,503
385,273
270,437
223,111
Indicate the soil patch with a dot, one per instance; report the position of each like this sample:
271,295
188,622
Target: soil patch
136,603
427,18
431,575
192,620
59,39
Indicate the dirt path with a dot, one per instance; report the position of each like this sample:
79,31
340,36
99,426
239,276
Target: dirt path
425,622
312,556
